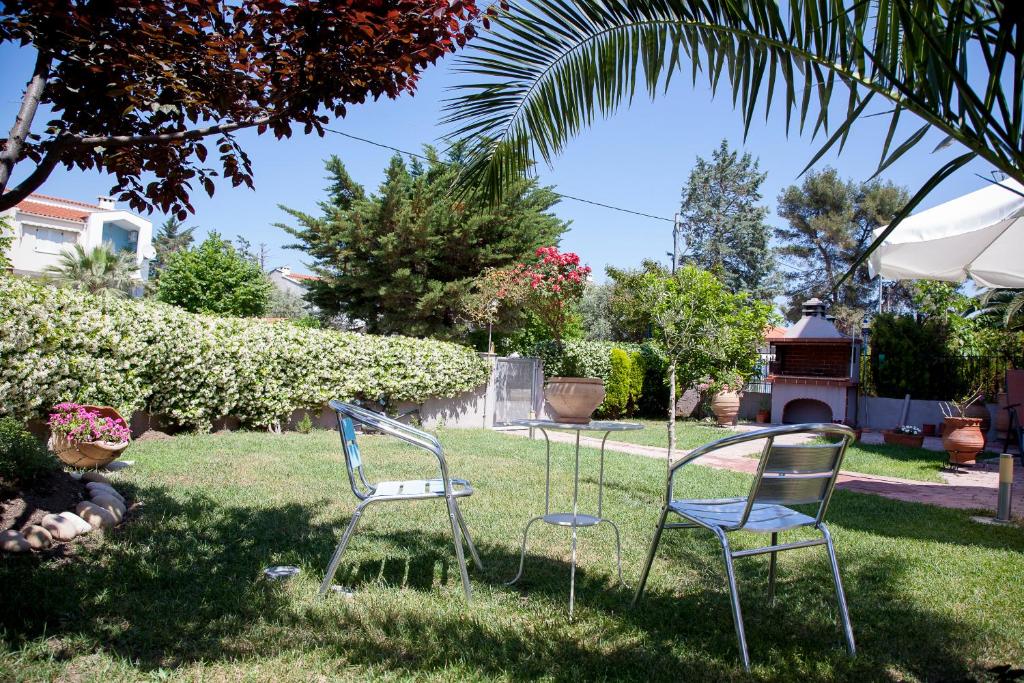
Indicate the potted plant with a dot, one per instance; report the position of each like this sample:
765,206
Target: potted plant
725,393
554,285
905,435
961,435
764,409
87,436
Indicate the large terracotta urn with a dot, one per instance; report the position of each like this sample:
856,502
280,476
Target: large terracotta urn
962,438
1002,414
726,406
687,403
574,399
980,411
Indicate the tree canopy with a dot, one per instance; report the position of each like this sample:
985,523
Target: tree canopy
402,260
171,237
214,278
723,224
100,270
829,224
136,87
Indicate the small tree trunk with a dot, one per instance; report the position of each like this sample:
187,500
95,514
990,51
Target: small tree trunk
23,122
671,411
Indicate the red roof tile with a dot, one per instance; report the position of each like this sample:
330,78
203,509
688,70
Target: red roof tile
64,201
37,209
297,276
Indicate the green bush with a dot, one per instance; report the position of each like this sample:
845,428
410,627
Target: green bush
62,345
23,458
617,386
636,382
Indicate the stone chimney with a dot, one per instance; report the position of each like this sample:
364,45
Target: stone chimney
106,203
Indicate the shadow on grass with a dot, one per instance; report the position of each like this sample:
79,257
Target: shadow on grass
181,585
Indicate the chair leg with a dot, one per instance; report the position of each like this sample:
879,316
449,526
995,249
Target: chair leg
771,570
469,539
453,517
332,567
734,597
650,556
844,613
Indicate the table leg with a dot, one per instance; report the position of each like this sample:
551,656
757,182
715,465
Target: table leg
522,551
575,511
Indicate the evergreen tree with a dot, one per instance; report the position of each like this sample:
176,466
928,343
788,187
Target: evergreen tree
403,259
214,278
171,237
830,222
723,225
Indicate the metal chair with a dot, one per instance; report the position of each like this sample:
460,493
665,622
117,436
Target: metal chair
385,491
786,475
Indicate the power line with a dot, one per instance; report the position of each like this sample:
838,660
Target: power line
557,194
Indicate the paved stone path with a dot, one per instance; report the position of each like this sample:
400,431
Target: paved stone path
972,488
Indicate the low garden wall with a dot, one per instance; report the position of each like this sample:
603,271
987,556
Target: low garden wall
192,371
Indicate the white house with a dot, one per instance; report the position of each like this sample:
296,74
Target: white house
45,226
288,282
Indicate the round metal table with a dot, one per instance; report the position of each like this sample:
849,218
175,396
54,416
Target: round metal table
574,519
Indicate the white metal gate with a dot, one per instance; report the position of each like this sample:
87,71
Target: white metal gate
518,389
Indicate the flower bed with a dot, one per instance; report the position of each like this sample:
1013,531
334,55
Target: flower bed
58,345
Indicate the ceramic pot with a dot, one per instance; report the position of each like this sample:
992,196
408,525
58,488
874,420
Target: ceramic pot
86,455
899,439
764,416
1002,415
980,411
726,406
574,399
927,430
962,438
687,403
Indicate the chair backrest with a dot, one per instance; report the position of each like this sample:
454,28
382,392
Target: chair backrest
348,416
799,474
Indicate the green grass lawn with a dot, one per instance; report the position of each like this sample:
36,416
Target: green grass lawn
890,460
689,433
176,593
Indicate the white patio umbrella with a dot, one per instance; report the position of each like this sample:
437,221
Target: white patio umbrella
979,235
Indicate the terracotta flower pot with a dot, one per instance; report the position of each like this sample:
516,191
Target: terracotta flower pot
764,416
980,411
962,438
726,406
1002,415
687,403
928,430
86,455
574,399
898,439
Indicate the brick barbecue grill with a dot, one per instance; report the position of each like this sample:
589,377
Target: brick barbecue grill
814,374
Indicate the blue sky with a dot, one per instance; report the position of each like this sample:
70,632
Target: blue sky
638,159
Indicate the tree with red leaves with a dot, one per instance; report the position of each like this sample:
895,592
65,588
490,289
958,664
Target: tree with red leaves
157,88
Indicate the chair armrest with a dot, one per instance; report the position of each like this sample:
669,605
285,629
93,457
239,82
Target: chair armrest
399,430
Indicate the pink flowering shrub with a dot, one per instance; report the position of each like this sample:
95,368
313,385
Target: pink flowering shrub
554,283
78,423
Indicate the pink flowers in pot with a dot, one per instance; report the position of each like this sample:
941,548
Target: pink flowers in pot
78,423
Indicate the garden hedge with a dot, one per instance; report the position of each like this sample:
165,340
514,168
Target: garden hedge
61,344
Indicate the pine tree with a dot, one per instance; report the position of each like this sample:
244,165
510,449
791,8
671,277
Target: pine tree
401,260
830,222
723,225
171,237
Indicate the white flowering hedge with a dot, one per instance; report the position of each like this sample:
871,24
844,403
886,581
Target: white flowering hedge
58,345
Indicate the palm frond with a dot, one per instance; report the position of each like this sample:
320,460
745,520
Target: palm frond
547,70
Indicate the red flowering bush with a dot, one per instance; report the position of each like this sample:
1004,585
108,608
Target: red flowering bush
554,283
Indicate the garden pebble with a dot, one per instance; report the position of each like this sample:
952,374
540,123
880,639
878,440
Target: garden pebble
12,541
60,527
96,477
95,515
83,526
111,505
97,489
38,537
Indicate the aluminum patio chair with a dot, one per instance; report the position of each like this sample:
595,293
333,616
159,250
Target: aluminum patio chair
387,491
786,475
